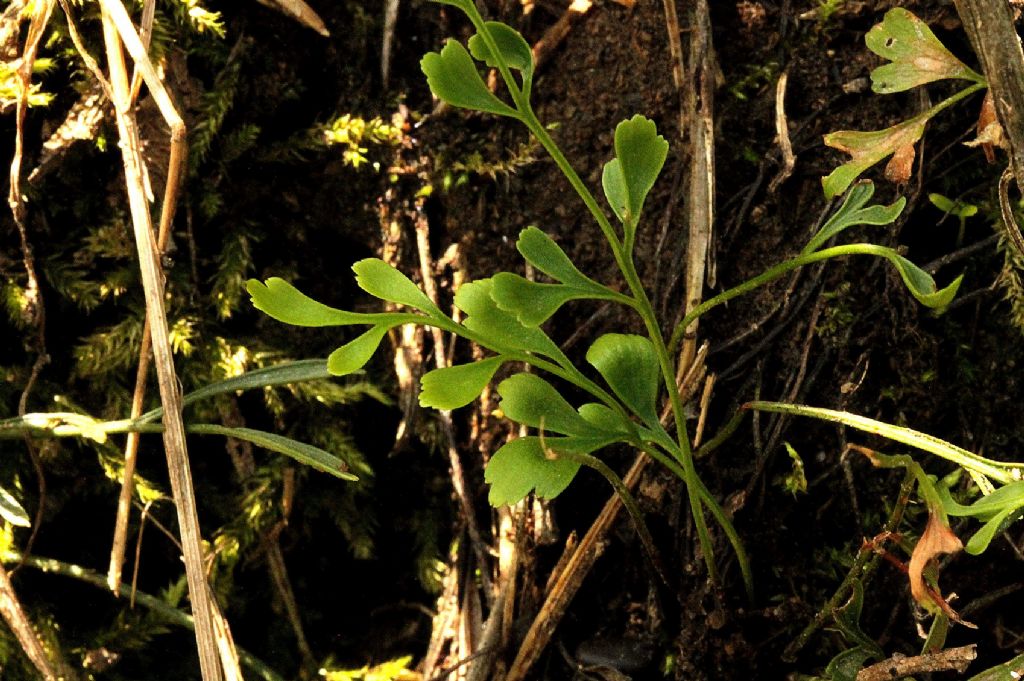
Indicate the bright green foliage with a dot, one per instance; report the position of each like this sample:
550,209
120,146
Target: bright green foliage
453,77
285,303
530,400
383,281
921,284
522,466
353,355
951,207
852,212
794,482
202,19
542,252
465,5
10,87
500,329
454,387
503,312
997,510
532,303
392,670
916,54
353,134
514,49
640,153
606,419
630,366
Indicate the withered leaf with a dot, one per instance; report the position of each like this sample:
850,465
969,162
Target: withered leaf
990,133
901,164
936,540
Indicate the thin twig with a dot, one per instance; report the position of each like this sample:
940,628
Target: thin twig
557,32
699,118
90,61
569,580
117,26
782,135
144,70
1013,234
956,659
390,20
35,310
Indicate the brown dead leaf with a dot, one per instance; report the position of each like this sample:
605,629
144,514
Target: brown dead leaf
990,133
936,540
901,165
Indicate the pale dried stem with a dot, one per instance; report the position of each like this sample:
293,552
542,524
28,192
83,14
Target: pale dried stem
782,135
698,115
144,71
569,580
117,26
388,39
445,416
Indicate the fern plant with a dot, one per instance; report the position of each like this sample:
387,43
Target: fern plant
504,313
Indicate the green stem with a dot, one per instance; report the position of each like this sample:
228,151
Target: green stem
716,511
531,121
953,99
628,269
684,454
560,367
769,275
632,508
721,436
653,330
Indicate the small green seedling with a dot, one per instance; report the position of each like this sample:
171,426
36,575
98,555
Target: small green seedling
956,208
628,374
916,57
